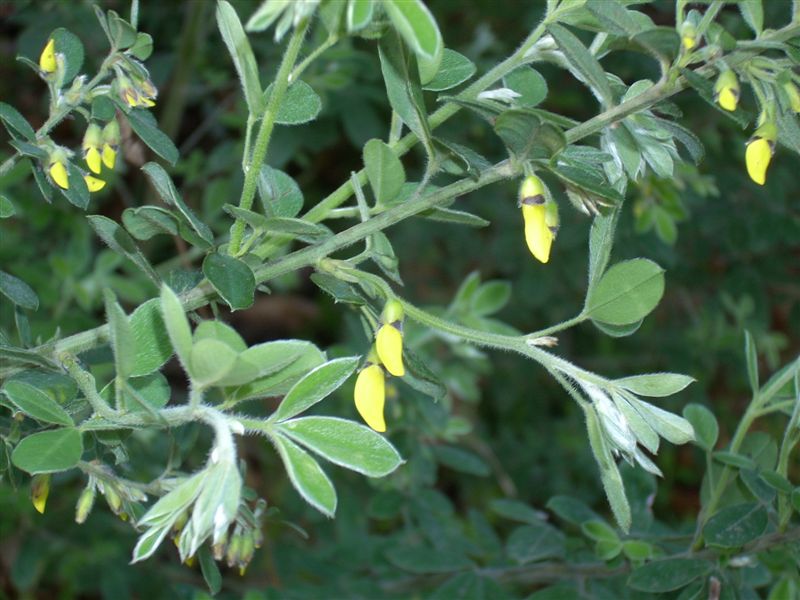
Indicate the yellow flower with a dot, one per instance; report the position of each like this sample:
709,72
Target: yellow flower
688,35
92,140
58,173
93,183
40,488
47,59
111,139
370,396
389,343
726,90
540,216
760,149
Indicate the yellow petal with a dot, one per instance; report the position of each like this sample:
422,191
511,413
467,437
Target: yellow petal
93,183
389,343
537,233
59,174
757,157
147,102
370,396
40,488
688,42
47,60
531,190
131,98
93,159
728,98
109,156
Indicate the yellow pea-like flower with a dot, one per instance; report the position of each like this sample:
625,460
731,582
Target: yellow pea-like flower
389,344
58,173
370,396
537,234
109,156
111,140
47,59
93,183
93,159
92,141
759,152
40,488
726,90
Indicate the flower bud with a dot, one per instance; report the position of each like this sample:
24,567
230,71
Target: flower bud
726,90
389,339
113,498
688,35
85,503
535,210
111,140
234,549
47,59
40,488
794,96
370,396
760,149
92,140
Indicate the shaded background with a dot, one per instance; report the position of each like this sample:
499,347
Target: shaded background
731,250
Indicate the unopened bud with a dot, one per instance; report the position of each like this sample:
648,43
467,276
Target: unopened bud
40,488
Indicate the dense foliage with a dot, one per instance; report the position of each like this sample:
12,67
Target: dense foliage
278,278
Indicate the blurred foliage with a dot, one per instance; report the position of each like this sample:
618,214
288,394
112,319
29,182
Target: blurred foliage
731,251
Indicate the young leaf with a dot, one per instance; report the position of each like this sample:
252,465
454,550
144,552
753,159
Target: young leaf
359,14
300,104
315,386
751,355
582,62
122,341
232,278
706,429
529,84
280,195
36,404
49,451
69,45
266,14
454,70
413,20
209,361
671,427
656,385
384,170
151,341
626,293
177,325
243,59
306,476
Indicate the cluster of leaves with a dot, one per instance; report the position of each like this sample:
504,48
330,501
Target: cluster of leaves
71,411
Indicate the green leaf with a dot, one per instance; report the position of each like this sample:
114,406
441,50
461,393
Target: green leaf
77,194
359,14
454,70
656,385
142,48
150,336
123,34
626,293
103,109
262,360
612,15
456,217
232,278
180,334
175,502
217,504
531,543
150,540
735,526
266,14
516,511
148,393
15,123
571,509
413,20
751,355
169,194
599,530
668,575
671,427
242,54
706,429
122,243
316,385
345,443
19,292
518,128
583,62
49,451
601,241
706,91
144,125
733,459
753,12
490,297
35,403
618,330
68,44
222,332
284,226
210,570
300,104
7,208
209,361
121,336
306,476
384,170
529,84
280,195
144,222
584,178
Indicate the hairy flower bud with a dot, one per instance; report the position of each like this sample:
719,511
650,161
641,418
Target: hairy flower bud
47,59
40,488
85,503
794,96
540,216
726,90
